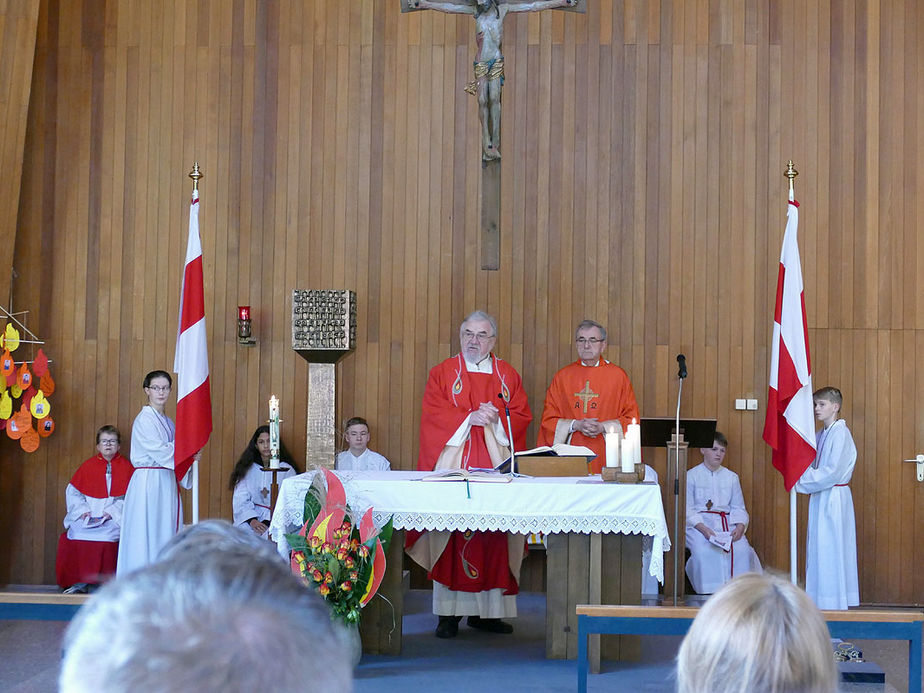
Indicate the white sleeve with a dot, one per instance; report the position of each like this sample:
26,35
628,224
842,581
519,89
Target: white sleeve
77,505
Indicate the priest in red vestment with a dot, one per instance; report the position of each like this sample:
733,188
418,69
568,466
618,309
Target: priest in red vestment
89,547
586,395
463,425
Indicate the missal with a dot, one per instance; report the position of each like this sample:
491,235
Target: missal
559,450
480,475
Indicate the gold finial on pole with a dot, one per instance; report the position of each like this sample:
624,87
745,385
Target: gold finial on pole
196,174
791,173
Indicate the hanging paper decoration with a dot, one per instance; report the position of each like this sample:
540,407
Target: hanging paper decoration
24,411
39,406
24,377
7,367
29,441
46,427
40,365
11,337
12,429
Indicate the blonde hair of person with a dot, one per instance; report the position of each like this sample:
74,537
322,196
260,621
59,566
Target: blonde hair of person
757,634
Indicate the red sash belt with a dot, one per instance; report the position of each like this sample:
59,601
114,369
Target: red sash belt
842,484
260,505
724,516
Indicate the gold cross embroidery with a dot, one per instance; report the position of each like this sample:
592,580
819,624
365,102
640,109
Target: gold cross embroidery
586,395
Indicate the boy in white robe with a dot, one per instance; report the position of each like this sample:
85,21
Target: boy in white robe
716,515
359,457
831,550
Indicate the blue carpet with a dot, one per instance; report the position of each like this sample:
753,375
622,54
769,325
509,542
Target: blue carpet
484,662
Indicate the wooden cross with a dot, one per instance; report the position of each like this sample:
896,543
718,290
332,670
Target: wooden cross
486,85
586,395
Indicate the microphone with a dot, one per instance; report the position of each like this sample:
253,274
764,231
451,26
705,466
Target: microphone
682,363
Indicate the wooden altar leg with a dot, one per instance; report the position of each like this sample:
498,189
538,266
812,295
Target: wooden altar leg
381,623
586,569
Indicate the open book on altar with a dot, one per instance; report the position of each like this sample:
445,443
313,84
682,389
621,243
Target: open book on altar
479,475
560,459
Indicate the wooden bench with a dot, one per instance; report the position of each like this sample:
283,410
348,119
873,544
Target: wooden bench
675,620
39,606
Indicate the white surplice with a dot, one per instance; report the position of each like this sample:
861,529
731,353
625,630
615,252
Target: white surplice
251,497
709,567
831,550
153,512
369,461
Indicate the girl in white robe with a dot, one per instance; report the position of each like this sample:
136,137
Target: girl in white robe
152,512
831,550
252,486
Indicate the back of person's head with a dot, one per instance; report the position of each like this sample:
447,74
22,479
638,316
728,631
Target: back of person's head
227,619
757,634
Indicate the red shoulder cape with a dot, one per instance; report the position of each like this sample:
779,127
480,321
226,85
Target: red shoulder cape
90,477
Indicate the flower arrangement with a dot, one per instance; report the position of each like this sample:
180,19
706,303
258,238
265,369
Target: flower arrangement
342,558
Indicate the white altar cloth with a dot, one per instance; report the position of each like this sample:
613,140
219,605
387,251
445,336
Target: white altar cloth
525,505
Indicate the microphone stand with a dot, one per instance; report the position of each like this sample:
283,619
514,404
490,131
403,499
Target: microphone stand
677,487
681,374
513,454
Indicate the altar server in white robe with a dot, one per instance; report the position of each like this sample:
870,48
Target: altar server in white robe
715,509
831,550
251,486
153,512
359,458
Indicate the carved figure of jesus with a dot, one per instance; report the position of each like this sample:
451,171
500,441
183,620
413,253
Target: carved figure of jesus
489,59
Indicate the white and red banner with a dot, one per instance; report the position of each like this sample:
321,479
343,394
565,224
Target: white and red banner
191,364
790,425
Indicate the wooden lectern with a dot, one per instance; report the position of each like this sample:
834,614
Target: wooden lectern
658,432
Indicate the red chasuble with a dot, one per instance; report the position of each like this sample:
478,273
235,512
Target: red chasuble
472,561
453,393
90,477
601,392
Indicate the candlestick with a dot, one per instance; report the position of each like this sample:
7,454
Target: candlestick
274,431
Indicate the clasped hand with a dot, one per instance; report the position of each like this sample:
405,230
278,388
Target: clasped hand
485,415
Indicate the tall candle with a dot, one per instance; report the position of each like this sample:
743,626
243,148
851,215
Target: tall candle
634,436
612,449
274,431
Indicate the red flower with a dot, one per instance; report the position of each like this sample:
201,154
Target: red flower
316,574
348,562
346,586
324,590
363,551
328,578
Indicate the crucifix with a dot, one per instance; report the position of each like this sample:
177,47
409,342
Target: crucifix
486,85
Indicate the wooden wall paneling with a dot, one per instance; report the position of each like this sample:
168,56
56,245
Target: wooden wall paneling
19,25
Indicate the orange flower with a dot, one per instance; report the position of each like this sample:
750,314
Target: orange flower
324,590
346,586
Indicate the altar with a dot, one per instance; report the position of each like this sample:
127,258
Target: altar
594,531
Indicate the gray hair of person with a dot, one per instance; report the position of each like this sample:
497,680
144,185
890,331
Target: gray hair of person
231,620
757,634
479,315
206,537
586,325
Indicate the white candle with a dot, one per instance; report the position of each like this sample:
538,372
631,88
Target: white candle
626,463
274,431
634,436
612,449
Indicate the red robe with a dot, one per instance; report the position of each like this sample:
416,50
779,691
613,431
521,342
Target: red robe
601,392
472,561
92,561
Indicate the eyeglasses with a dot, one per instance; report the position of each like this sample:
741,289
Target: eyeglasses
108,442
468,336
584,341
159,388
